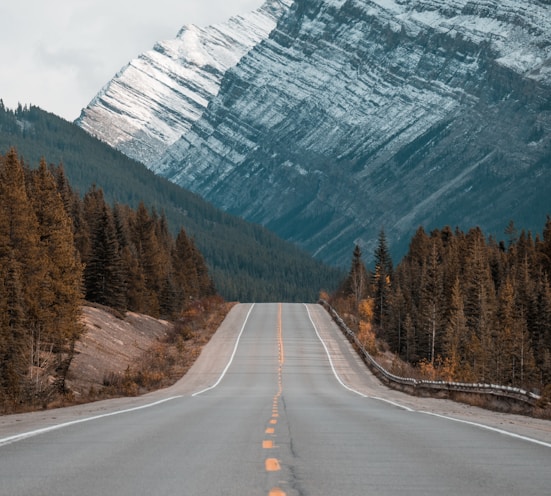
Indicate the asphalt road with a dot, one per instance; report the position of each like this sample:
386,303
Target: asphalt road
274,405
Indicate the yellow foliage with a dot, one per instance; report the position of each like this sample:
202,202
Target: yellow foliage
443,369
324,295
366,336
448,369
366,310
427,370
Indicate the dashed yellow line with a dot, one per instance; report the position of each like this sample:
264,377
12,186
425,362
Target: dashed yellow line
273,464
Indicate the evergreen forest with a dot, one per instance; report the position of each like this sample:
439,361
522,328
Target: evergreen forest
461,306
246,261
57,249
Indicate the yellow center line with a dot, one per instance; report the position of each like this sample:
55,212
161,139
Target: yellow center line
272,465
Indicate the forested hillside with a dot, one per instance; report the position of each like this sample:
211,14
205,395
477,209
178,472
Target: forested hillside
55,250
247,262
463,306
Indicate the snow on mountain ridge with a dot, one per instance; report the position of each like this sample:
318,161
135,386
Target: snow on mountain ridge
153,100
349,116
346,102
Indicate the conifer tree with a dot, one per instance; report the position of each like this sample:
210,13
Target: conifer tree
480,305
456,336
60,303
356,285
545,247
13,365
134,279
104,270
147,248
21,241
382,281
542,333
432,302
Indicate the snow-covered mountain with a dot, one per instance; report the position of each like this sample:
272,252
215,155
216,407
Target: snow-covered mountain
152,101
357,115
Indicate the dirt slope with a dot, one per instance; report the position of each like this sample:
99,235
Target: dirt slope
109,345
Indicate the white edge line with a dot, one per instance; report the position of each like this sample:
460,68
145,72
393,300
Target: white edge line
393,403
231,358
329,357
475,424
25,435
489,428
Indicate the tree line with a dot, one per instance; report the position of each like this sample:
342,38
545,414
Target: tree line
461,305
58,250
246,261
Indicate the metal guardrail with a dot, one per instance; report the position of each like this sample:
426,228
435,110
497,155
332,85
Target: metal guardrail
417,386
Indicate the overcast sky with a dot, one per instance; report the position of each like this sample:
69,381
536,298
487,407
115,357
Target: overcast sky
58,54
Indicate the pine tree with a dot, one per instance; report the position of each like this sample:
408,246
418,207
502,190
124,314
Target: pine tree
503,343
545,247
13,365
398,308
20,243
432,302
382,282
104,273
148,250
542,331
479,297
356,285
134,279
60,302
456,336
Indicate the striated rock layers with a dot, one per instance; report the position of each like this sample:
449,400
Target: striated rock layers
152,101
357,115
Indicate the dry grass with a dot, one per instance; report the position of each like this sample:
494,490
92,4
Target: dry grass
168,360
128,355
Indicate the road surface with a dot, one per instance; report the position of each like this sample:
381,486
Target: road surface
276,404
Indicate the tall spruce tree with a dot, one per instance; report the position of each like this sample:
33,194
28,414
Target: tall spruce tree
104,274
480,302
356,285
382,282
21,241
61,301
456,337
432,300
13,365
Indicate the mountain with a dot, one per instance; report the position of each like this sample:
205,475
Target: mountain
247,262
156,98
358,115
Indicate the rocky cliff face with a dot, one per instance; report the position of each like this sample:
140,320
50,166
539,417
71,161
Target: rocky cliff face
152,101
357,115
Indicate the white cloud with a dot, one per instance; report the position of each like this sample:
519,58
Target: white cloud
58,54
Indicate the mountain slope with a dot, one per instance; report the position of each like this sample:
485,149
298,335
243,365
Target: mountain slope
247,262
357,115
155,99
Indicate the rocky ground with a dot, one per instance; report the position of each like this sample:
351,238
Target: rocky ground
110,345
